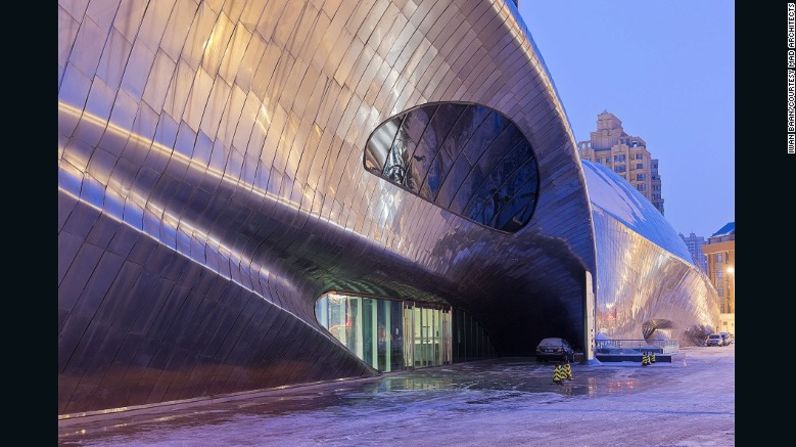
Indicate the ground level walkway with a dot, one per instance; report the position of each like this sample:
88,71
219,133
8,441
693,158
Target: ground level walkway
505,402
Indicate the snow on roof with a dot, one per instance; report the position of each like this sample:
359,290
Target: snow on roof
725,230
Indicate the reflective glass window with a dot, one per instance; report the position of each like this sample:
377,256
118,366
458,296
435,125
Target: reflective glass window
388,334
379,146
466,158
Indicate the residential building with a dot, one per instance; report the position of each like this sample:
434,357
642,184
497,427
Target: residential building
626,155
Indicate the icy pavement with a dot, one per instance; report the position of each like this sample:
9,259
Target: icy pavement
505,402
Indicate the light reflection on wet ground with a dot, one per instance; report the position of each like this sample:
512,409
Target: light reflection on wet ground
396,405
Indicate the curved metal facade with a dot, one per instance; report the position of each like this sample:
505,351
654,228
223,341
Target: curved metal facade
645,275
211,187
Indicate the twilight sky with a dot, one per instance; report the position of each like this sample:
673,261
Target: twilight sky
666,69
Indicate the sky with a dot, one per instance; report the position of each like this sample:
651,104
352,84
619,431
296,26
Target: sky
666,70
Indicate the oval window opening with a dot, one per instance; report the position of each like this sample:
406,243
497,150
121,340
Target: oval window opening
466,158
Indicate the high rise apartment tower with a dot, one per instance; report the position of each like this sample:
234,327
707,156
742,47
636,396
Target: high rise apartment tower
624,154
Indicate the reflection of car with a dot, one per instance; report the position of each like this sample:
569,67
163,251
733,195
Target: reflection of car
554,348
714,340
726,338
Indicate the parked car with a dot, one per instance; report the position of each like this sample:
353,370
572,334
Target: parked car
727,338
554,348
714,340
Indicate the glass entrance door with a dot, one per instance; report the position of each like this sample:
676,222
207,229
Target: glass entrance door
427,336
409,337
388,334
422,345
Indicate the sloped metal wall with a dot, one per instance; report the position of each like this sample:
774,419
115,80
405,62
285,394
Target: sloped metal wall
227,139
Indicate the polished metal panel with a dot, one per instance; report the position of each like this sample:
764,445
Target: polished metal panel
211,187
138,322
646,279
616,197
639,283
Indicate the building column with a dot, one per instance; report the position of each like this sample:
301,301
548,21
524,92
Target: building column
588,319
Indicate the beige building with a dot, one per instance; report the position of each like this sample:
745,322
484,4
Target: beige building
720,251
624,154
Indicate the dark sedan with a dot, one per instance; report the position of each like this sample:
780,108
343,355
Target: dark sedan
554,348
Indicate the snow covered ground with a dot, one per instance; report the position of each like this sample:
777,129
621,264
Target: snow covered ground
505,402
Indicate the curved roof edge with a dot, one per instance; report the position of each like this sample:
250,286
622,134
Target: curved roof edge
611,193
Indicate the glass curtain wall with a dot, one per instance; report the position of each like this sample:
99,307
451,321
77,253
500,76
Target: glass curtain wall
388,334
370,328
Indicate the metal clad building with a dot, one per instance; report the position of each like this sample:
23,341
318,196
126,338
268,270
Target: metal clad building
214,183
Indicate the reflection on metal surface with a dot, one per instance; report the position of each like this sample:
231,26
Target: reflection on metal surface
646,281
211,187
465,158
617,198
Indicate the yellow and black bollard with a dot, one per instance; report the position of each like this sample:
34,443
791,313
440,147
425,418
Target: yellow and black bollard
652,357
558,375
568,371
645,359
